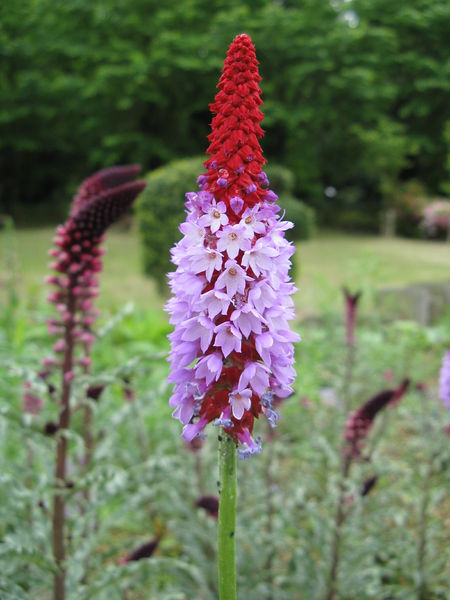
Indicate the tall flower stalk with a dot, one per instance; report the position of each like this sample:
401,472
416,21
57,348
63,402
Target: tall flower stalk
429,433
232,350
358,427
351,311
100,201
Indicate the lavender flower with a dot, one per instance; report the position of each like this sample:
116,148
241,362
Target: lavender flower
444,381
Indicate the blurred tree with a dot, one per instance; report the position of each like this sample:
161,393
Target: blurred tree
356,92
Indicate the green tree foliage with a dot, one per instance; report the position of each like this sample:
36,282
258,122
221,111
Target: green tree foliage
356,93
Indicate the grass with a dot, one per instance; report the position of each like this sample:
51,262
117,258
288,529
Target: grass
324,264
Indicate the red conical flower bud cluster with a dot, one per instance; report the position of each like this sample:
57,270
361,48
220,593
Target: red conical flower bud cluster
236,159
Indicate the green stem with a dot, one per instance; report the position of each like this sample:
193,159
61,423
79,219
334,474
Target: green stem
227,518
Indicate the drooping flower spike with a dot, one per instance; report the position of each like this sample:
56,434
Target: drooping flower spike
232,349
106,179
100,201
359,423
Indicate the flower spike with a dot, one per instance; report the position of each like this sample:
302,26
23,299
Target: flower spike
444,380
232,349
77,254
360,422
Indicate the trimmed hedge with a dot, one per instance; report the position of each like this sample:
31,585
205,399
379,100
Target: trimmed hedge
160,210
282,180
303,217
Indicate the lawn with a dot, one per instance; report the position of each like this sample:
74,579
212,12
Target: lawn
324,264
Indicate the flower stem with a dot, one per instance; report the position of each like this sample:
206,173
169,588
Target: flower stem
348,378
227,518
422,542
339,520
58,519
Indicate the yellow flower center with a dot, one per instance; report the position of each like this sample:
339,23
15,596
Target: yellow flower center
248,220
216,214
232,271
233,235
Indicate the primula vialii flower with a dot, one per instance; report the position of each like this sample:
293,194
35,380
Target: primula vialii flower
232,350
444,380
100,201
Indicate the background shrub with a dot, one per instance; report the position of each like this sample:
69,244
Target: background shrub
160,211
161,208
409,203
303,217
282,179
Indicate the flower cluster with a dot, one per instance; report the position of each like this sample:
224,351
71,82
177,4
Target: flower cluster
232,350
100,201
360,422
436,217
444,380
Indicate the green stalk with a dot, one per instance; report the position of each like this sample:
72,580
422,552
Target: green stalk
227,518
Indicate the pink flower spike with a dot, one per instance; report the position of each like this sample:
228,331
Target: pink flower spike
231,289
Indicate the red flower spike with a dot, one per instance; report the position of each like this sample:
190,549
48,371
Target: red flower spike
359,423
78,255
236,158
99,212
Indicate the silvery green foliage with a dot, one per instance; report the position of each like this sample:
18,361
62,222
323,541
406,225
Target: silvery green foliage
143,481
